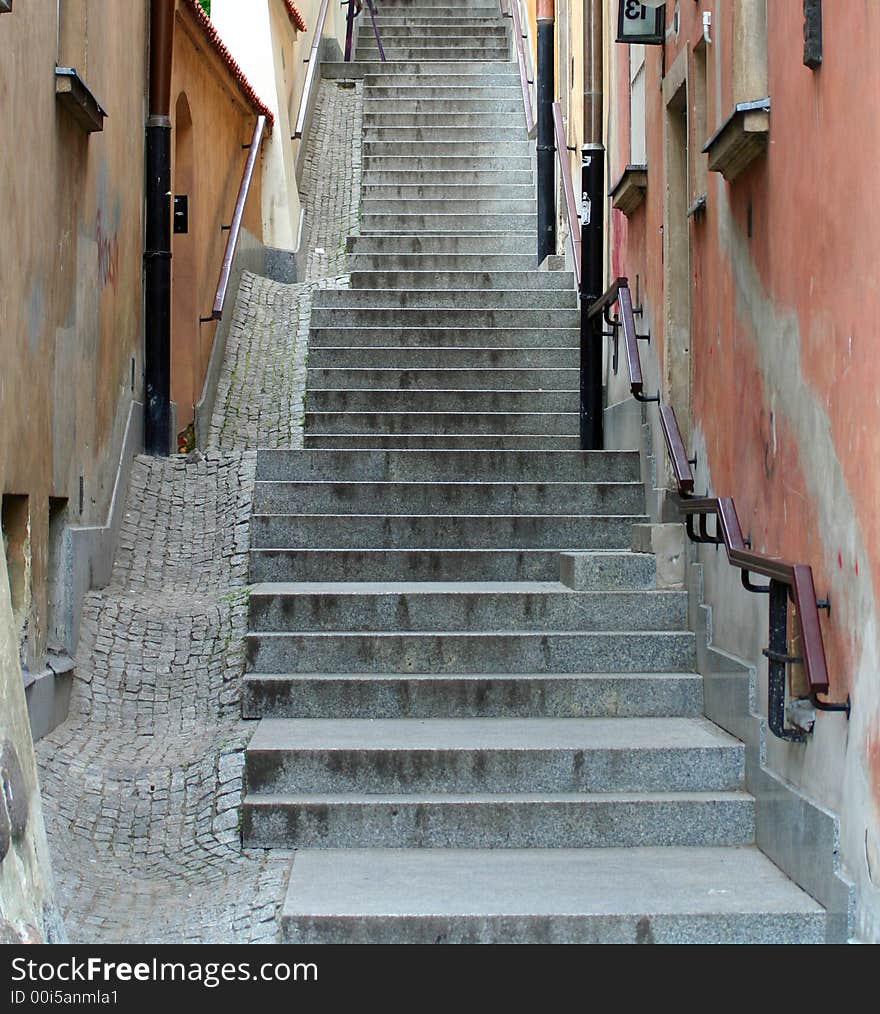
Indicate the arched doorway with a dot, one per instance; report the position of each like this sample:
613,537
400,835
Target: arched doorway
184,271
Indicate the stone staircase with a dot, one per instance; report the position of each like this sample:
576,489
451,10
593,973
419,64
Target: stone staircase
478,716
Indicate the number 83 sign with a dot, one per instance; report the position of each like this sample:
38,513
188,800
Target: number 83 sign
639,23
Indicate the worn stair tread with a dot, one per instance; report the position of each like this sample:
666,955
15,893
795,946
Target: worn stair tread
501,798
521,734
493,677
634,517
407,883
456,588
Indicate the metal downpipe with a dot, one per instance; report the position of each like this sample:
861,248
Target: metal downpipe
546,161
157,252
592,231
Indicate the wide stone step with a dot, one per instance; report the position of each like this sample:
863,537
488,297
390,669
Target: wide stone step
431,244
391,405
454,341
429,192
543,896
473,150
387,121
440,357
461,134
457,466
504,820
449,379
336,497
449,223
392,69
461,316
460,428
399,206
409,50
476,695
501,178
474,442
493,755
440,606
451,412
442,531
471,651
438,20
428,27
492,41
525,281
464,6
427,163
461,300
618,569
448,87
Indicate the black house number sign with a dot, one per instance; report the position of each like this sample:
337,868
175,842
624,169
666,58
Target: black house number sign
640,25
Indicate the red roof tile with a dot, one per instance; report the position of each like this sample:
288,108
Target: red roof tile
295,16
213,37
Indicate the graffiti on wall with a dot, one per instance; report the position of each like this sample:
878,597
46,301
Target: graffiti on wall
108,252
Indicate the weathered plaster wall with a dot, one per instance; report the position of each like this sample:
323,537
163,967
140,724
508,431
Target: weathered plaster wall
784,413
27,907
264,41
70,302
221,122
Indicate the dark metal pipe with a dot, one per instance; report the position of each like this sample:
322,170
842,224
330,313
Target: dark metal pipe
546,162
157,255
592,233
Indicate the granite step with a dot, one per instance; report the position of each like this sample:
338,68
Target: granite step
403,651
496,820
459,606
544,755
544,896
474,695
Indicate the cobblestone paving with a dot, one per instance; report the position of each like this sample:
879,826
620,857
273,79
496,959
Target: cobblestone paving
142,784
262,383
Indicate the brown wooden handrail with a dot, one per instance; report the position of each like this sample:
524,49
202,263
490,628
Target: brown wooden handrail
797,577
521,63
238,213
312,61
574,222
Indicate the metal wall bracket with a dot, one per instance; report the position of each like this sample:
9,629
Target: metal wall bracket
758,589
845,707
777,659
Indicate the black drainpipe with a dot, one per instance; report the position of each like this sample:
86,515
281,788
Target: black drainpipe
592,231
157,255
546,166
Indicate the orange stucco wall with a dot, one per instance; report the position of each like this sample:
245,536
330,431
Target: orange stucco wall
70,299
785,413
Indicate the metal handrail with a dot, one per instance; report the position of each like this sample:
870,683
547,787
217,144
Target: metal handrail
238,213
312,61
574,222
521,62
795,578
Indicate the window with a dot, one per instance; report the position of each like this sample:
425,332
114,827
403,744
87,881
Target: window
637,146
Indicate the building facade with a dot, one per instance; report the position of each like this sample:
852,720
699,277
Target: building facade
739,148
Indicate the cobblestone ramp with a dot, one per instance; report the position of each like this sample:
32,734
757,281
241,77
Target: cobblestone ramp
142,784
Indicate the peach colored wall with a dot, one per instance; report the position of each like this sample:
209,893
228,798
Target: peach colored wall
71,298
786,415
222,121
